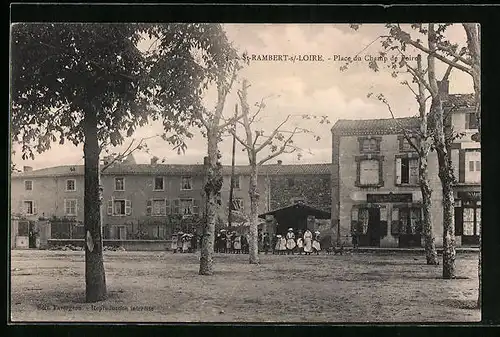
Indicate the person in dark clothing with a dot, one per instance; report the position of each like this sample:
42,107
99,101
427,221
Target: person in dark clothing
266,242
223,239
259,241
244,244
355,241
194,246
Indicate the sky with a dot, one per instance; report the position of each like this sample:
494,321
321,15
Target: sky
315,88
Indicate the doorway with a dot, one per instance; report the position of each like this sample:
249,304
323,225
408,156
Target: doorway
32,234
374,227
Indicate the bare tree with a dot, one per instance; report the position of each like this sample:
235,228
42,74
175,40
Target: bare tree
422,145
279,141
438,47
214,125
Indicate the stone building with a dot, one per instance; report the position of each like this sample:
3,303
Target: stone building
375,187
144,198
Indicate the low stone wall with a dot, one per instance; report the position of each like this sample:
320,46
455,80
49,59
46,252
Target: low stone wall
132,245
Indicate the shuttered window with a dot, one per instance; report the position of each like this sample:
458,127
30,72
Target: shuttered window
369,172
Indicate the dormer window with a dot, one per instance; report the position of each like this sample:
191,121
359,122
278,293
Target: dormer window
404,144
369,144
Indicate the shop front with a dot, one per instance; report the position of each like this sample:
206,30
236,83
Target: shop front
370,221
468,217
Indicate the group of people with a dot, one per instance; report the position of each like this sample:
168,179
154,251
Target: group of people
184,242
231,242
304,242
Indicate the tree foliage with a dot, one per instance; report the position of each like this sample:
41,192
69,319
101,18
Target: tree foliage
59,70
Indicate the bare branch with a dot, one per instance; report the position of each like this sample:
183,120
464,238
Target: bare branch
281,150
271,137
451,52
417,76
406,39
241,141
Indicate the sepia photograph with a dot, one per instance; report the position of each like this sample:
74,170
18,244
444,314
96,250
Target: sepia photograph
255,173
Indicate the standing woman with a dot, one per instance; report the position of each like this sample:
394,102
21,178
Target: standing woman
173,243
179,241
217,243
277,245
282,245
308,242
316,245
300,243
229,243
274,242
185,243
290,241
237,244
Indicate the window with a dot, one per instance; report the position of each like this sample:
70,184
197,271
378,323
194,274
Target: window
237,204
70,207
406,146
119,184
29,207
359,220
158,207
410,221
369,172
298,200
290,182
407,171
186,206
71,185
369,144
119,207
186,183
28,185
470,121
237,182
468,221
473,169
159,184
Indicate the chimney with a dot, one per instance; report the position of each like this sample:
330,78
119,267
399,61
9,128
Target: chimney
27,168
280,162
444,89
205,161
154,160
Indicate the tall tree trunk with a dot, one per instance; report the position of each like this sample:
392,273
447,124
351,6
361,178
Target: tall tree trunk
423,170
445,171
95,279
212,187
254,202
429,240
473,31
446,177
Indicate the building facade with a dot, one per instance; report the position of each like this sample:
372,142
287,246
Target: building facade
146,200
375,190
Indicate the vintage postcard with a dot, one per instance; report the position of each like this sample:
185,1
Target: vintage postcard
257,173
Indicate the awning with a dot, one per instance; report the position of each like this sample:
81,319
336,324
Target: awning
299,210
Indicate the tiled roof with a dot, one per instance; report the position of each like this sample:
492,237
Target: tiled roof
374,126
194,170
466,100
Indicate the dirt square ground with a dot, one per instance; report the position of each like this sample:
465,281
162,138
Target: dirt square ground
166,287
